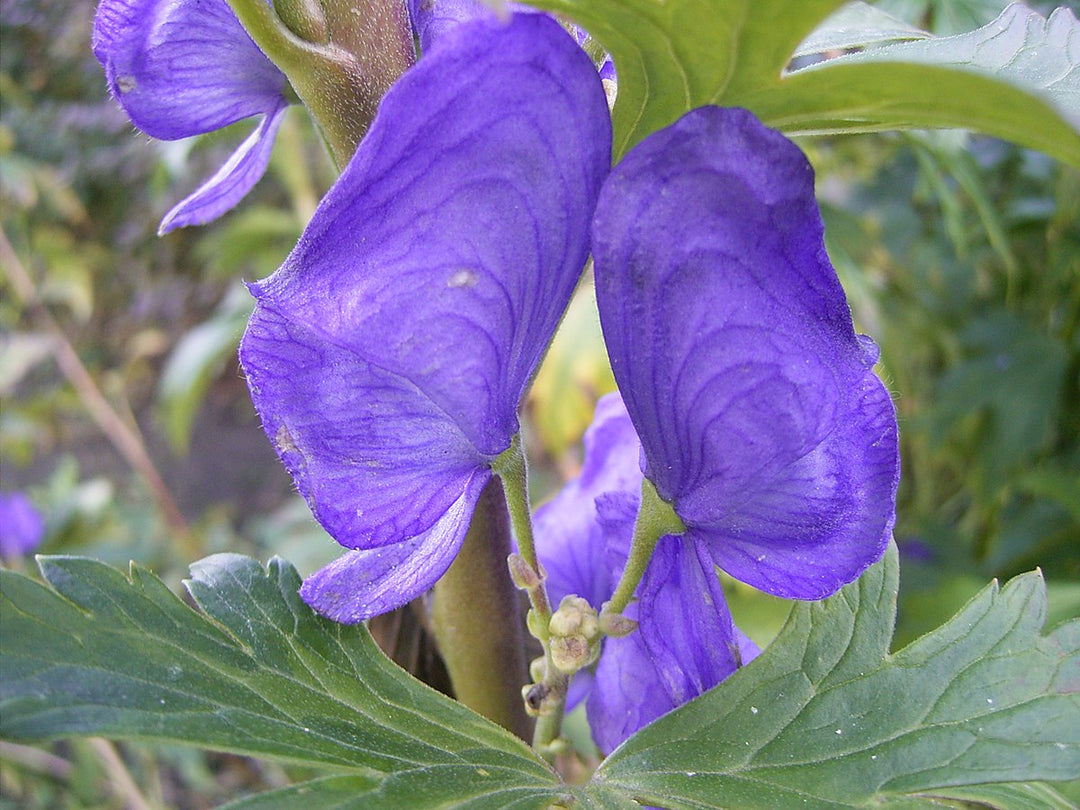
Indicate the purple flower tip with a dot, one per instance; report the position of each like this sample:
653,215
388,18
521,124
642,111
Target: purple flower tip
186,67
388,355
731,340
22,527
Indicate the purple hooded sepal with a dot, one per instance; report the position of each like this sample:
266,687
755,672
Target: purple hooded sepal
686,642
22,527
186,67
731,339
389,353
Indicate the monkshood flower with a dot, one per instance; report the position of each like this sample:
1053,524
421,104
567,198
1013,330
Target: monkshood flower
762,423
433,18
21,526
685,642
389,353
186,67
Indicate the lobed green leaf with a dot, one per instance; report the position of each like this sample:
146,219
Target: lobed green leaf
827,717
256,673
1017,78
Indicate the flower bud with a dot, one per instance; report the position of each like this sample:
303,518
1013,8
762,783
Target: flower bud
524,576
615,624
575,635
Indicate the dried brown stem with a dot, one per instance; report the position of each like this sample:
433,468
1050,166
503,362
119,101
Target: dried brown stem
124,437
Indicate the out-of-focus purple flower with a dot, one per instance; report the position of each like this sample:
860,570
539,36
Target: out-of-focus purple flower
388,355
761,419
686,642
186,67
21,526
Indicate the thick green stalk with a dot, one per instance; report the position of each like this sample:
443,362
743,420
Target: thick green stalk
346,66
477,620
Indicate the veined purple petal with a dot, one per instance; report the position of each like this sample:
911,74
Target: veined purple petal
388,355
232,181
685,644
375,459
183,67
362,584
433,18
572,539
732,343
22,527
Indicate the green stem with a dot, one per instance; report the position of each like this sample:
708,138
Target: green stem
476,618
655,519
512,469
342,78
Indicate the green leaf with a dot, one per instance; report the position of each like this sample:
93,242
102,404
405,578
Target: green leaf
674,56
857,25
1017,78
1010,796
826,717
431,787
259,674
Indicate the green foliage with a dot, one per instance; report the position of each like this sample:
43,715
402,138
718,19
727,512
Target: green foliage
961,256
825,715
197,359
1017,78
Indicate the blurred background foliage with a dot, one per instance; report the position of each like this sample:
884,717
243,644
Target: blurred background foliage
960,255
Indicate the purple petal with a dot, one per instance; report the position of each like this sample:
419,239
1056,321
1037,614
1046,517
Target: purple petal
21,526
684,620
232,181
433,18
362,584
628,692
375,459
731,340
183,67
571,540
685,644
395,343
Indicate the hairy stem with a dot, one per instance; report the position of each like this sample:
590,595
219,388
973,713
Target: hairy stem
346,67
477,621
550,693
655,519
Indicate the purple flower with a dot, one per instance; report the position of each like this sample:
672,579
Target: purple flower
731,340
433,18
21,526
388,355
686,642
186,67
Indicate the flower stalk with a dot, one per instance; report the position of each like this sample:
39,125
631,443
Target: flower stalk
545,699
339,63
476,619
656,518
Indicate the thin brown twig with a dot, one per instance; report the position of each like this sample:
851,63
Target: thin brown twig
120,781
124,437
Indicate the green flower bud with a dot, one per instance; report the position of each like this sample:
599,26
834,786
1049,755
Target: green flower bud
575,635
